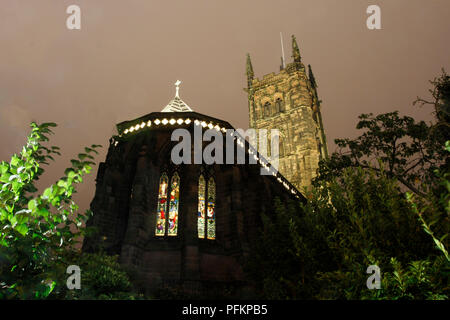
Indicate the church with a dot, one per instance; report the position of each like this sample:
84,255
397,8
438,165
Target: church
191,226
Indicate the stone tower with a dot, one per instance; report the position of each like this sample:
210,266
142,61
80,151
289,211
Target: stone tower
288,101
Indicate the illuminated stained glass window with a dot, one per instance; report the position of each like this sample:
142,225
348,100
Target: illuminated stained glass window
173,205
162,206
211,213
201,207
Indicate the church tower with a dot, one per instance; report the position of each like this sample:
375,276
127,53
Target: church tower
288,101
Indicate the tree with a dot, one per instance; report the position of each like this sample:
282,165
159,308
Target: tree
440,94
321,250
37,230
410,151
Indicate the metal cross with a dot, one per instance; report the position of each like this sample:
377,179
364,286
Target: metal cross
177,84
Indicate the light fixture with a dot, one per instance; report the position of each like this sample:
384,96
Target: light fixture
165,121
157,122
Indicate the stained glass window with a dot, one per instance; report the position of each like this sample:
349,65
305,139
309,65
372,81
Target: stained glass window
201,207
162,206
173,205
211,213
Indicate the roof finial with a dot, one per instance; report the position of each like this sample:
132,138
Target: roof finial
177,105
177,88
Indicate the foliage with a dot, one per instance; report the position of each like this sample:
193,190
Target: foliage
102,278
322,249
411,151
37,230
440,102
400,143
423,279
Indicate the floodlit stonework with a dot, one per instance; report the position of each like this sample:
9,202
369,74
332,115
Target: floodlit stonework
288,101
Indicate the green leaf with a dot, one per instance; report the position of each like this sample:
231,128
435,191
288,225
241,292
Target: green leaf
22,229
4,167
43,212
15,160
62,184
32,204
48,193
71,174
13,220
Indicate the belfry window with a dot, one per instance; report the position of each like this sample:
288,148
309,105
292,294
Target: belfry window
206,221
167,214
267,109
279,103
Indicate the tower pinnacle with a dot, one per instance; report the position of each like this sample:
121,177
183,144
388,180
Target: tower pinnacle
295,51
311,77
250,73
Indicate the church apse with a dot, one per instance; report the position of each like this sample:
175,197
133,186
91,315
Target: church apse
187,226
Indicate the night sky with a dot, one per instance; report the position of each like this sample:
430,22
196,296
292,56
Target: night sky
124,61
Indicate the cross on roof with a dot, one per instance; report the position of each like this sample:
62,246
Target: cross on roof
177,84
177,105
